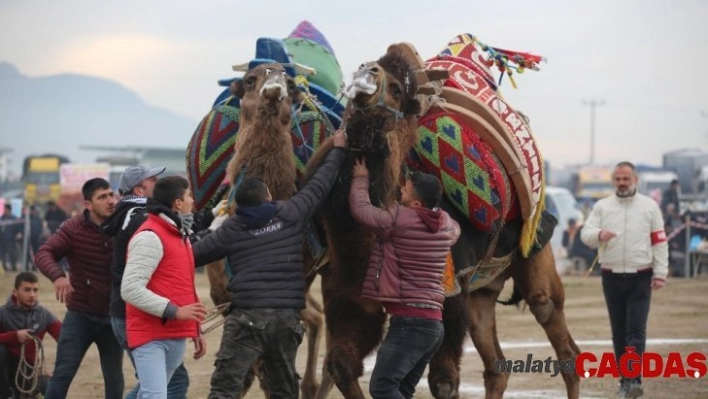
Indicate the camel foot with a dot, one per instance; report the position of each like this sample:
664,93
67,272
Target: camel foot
345,375
446,390
309,390
542,311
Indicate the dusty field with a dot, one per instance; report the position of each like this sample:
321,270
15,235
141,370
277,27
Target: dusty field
679,312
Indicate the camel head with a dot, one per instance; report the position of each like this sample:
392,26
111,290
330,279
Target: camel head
381,120
266,89
387,85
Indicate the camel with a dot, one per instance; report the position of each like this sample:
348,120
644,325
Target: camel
263,148
381,122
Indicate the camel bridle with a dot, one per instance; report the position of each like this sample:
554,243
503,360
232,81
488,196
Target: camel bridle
370,69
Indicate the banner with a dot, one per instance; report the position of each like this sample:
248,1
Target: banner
72,176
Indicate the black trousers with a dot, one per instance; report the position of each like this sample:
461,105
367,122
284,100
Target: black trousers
628,296
250,334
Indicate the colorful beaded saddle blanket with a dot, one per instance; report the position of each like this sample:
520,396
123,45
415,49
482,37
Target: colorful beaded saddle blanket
472,176
212,146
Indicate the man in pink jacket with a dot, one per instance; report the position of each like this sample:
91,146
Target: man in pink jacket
404,273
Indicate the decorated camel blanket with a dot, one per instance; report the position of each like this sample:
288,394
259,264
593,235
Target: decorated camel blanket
475,142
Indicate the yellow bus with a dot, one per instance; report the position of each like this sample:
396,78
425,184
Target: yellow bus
593,182
41,178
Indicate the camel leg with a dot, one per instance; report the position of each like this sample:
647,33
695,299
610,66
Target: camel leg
483,331
542,289
444,367
355,333
313,318
327,382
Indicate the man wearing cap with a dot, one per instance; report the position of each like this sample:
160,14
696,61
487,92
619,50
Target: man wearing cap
136,184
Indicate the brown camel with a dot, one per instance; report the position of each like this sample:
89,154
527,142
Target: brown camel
263,148
381,124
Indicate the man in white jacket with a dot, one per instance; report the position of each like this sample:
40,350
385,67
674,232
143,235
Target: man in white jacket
629,230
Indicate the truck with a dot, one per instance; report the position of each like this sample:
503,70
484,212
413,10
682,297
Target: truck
654,183
687,163
40,176
592,182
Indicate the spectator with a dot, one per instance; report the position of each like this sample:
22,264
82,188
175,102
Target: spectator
10,227
22,320
86,293
671,196
629,231
569,235
54,217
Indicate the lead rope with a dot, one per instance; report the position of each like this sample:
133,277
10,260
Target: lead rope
602,246
29,373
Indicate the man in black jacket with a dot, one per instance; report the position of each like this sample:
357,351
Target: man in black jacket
263,244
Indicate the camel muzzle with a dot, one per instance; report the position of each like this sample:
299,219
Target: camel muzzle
364,82
275,88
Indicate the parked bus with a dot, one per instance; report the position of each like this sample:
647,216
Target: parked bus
40,176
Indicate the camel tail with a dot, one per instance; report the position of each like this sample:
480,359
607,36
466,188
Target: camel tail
514,299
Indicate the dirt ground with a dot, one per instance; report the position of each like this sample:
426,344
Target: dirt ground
678,323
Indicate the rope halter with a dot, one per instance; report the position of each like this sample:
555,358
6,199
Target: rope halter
372,69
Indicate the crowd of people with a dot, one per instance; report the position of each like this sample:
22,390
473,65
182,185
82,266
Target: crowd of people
130,285
12,231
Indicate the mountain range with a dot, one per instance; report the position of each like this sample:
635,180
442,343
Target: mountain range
58,114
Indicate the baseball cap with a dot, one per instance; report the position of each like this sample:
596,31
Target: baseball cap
133,175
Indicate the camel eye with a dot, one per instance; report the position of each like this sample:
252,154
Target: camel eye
268,71
250,81
395,90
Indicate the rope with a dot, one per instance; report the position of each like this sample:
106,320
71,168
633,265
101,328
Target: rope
594,262
29,373
212,314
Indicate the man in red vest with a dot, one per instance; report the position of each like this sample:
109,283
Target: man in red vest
162,307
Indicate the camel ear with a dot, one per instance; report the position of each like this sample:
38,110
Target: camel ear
237,88
295,93
412,107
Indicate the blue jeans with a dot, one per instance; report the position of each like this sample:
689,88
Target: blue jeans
404,354
78,332
178,384
155,362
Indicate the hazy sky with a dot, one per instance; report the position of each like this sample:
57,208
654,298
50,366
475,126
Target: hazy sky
646,59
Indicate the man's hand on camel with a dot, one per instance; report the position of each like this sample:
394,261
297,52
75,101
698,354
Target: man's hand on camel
340,138
360,169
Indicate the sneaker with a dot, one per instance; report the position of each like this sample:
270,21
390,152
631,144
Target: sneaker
622,392
634,390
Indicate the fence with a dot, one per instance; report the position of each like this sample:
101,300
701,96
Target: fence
690,255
